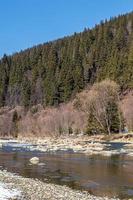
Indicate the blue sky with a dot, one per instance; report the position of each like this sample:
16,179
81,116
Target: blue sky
25,23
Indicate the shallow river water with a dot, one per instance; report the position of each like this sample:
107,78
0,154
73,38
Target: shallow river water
102,176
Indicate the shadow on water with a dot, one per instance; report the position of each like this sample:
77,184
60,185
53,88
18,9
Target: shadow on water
111,176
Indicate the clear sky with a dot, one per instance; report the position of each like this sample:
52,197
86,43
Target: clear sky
24,23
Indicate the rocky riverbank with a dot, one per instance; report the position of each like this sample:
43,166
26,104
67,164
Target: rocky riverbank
31,189
79,144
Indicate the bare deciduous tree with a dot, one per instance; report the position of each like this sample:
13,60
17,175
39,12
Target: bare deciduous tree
97,101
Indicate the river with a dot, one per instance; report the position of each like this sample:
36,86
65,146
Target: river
99,175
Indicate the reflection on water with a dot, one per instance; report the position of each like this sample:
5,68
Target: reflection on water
112,176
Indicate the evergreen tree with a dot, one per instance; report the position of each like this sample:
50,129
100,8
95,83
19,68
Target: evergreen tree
26,92
115,118
93,126
15,120
129,69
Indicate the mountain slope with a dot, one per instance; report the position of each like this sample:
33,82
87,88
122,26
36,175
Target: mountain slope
53,72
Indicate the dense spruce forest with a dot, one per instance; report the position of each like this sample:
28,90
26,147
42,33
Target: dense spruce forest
54,72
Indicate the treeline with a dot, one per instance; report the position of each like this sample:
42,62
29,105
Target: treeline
51,73
96,110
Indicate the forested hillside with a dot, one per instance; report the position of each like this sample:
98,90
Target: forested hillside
53,72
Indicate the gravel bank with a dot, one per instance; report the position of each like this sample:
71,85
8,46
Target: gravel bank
77,144
36,190
7,193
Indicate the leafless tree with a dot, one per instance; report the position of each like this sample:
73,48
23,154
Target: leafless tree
96,100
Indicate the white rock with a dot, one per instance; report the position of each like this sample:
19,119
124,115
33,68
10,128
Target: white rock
130,154
34,160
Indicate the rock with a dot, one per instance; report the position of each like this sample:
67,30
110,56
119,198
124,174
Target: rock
34,160
122,151
130,154
130,145
41,164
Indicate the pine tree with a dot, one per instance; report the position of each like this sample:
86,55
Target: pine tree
93,126
129,69
115,118
26,92
15,120
6,62
68,86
